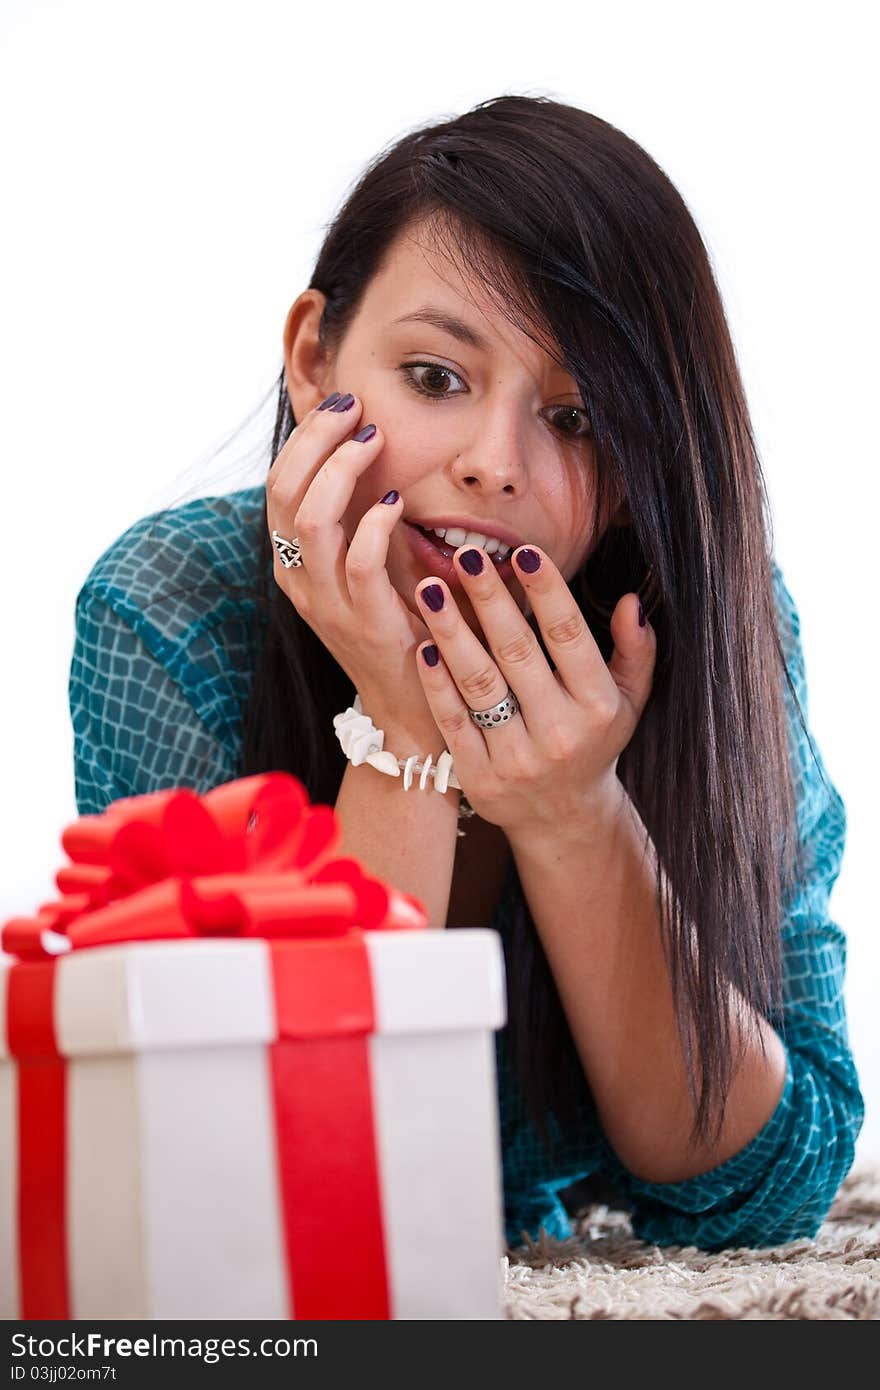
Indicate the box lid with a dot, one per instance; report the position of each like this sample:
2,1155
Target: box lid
205,992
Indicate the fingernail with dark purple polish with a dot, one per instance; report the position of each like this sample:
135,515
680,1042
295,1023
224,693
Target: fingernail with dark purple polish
642,618
366,433
433,597
472,562
390,497
329,400
431,655
528,560
345,403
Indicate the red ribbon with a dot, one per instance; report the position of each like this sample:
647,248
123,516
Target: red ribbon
42,1125
252,858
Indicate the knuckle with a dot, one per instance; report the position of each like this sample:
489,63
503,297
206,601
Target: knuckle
278,485
479,685
603,711
519,650
567,630
560,746
359,567
307,524
453,723
519,767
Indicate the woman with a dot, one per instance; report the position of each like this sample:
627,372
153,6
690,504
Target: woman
512,332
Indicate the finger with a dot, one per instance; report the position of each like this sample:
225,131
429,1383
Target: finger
474,670
517,653
461,735
366,561
635,652
317,521
303,454
580,666
292,445
313,474
306,450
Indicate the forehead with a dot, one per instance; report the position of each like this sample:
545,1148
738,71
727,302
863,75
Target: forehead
421,271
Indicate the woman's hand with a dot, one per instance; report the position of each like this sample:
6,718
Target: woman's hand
550,767
343,590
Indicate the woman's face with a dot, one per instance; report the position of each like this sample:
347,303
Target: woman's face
497,433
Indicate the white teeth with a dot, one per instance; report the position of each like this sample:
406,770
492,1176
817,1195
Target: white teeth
477,538
456,536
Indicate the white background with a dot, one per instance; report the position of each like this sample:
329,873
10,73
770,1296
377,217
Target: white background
167,173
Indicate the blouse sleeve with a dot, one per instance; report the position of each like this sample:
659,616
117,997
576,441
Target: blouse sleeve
781,1185
136,728
165,645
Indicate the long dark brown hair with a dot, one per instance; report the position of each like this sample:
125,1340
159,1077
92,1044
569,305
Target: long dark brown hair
585,244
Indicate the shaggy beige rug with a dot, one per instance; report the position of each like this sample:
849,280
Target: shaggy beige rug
604,1272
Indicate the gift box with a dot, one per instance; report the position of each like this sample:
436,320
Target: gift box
240,1079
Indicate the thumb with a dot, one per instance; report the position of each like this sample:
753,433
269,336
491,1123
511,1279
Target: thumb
635,651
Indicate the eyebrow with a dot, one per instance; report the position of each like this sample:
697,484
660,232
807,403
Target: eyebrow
447,323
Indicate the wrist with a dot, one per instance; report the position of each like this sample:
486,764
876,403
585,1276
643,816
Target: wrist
585,828
408,730
408,736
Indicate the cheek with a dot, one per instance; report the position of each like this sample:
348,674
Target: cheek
579,524
411,449
370,487
395,466
580,548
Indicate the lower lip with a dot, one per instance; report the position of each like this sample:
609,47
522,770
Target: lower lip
442,565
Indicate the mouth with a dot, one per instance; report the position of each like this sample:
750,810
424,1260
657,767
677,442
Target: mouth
437,556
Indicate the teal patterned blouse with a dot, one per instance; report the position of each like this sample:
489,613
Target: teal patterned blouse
158,681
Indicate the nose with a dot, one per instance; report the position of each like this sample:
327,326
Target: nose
494,459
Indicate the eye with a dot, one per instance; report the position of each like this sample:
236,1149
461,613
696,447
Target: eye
409,370
561,411
434,369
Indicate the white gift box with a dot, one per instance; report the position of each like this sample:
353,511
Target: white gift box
172,1147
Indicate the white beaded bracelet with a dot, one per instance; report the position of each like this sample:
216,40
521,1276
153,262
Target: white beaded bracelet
362,742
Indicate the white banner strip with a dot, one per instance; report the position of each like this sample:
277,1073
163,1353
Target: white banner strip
106,1252
439,1157
212,1210
10,1293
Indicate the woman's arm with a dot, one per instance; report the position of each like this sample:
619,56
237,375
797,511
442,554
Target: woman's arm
592,895
407,838
780,1185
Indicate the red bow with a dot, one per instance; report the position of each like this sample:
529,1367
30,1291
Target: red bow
250,858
